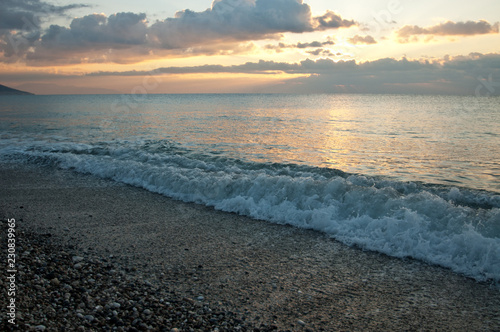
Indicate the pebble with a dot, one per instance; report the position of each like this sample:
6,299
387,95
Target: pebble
90,318
92,285
115,305
301,322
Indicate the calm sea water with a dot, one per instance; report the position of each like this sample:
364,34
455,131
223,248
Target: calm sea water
410,176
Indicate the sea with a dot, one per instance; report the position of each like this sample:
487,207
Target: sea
409,176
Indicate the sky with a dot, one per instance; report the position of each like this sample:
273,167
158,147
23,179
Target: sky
251,46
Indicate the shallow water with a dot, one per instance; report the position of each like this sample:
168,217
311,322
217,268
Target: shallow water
410,176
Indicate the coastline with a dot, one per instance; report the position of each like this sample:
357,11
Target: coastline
267,276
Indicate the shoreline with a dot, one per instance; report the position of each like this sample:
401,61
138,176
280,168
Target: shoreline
268,276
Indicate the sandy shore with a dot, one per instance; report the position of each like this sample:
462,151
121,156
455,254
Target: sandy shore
270,276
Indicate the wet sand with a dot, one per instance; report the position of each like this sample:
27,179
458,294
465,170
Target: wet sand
272,276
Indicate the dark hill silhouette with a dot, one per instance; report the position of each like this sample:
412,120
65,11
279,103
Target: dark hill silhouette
5,90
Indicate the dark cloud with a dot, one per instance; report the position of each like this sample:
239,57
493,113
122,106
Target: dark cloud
225,28
16,43
261,67
238,20
322,52
20,25
230,21
320,66
410,32
362,40
330,20
98,31
314,44
475,75
26,14
458,75
93,38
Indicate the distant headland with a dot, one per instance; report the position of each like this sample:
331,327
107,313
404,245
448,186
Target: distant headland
5,90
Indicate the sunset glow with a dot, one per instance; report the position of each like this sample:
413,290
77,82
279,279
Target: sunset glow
227,46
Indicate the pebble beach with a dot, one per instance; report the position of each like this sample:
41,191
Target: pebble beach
96,255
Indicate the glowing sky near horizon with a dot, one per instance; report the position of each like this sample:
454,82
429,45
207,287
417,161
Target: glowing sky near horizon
250,46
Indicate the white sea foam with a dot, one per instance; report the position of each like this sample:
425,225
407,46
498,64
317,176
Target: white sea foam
458,228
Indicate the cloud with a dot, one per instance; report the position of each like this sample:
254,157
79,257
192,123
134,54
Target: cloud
241,20
230,21
92,37
261,67
362,40
20,25
25,14
323,52
98,31
457,75
228,26
410,32
473,75
331,20
314,44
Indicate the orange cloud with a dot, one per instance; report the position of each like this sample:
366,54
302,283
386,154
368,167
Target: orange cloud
226,26
457,75
362,40
409,33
